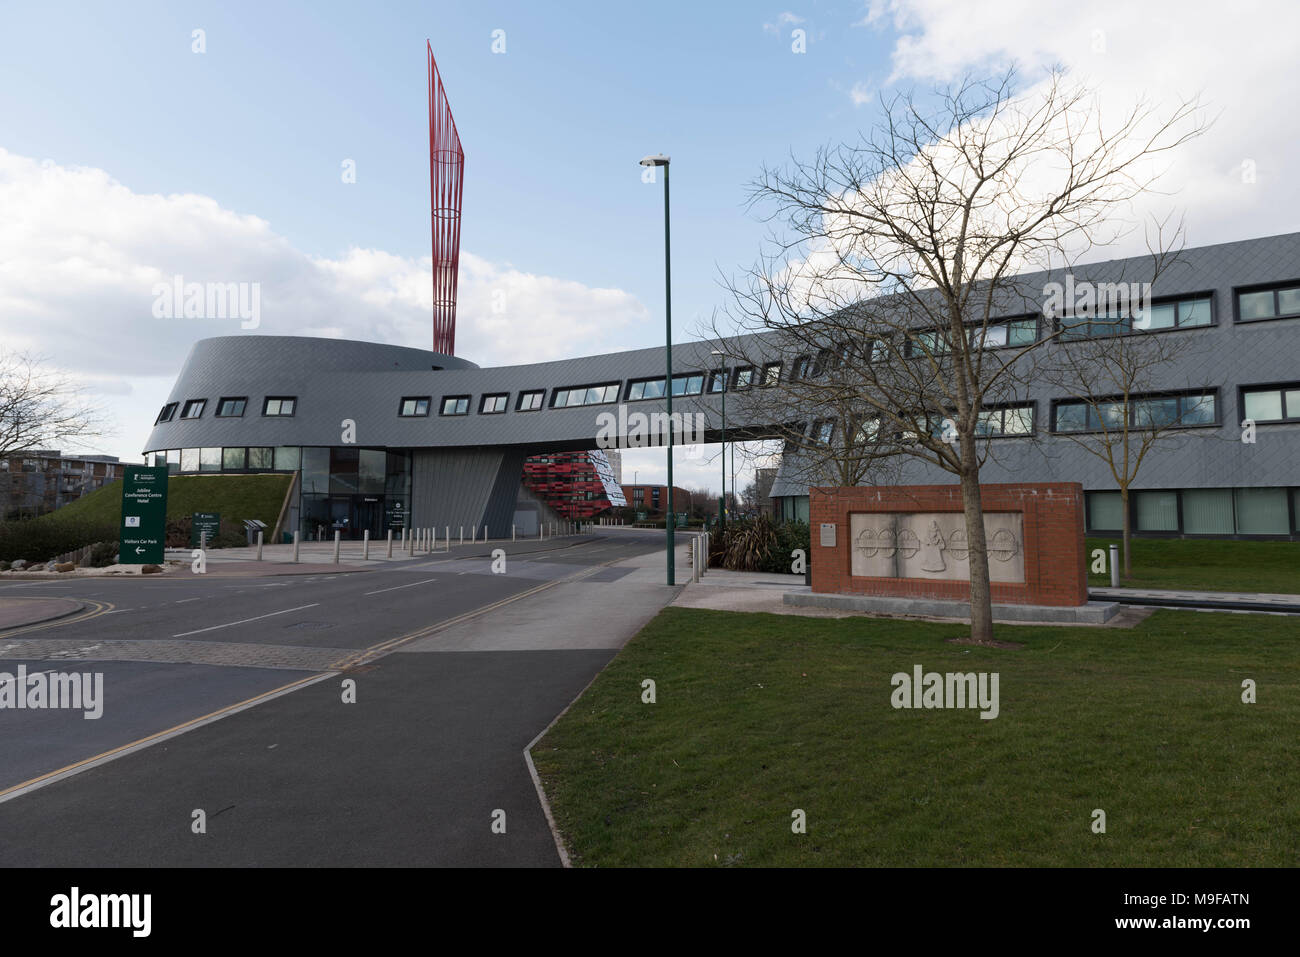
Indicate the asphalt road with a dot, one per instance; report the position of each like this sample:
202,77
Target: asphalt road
410,774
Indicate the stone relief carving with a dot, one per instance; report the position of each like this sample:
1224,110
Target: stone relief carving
888,545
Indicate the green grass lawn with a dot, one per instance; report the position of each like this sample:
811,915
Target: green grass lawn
758,715
1207,564
236,497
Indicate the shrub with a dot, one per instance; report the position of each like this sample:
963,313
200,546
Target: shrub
38,540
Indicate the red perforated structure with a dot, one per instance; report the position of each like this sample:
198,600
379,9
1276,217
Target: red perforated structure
446,181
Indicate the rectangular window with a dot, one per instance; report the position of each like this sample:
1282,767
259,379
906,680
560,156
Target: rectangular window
744,377
823,431
1262,511
232,406
1156,511
260,458
233,459
1207,511
1017,332
1279,302
1144,412
1013,420
585,395
717,380
287,458
1105,511
166,414
1280,404
494,403
189,460
173,461
802,366
193,408
455,405
771,373
279,405
210,460
415,405
528,401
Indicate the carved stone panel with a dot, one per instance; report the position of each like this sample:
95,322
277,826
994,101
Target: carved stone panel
932,545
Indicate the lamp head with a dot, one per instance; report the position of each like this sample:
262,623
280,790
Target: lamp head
656,160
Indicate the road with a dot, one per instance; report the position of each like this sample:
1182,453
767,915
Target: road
225,702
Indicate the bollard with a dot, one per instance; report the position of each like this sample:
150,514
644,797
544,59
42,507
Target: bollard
338,537
512,533
390,543
1114,566
259,544
203,540
295,547
462,534
447,530
365,545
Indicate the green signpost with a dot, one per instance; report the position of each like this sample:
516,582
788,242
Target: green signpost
143,536
201,522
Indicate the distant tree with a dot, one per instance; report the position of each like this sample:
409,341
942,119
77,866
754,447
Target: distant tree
40,408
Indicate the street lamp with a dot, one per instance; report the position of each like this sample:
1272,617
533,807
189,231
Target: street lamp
722,499
661,160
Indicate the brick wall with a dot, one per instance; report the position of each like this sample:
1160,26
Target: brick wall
1056,571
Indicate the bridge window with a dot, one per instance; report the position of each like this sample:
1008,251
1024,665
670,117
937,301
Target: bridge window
494,403
193,408
232,407
585,395
528,401
688,384
279,405
413,405
455,405
166,414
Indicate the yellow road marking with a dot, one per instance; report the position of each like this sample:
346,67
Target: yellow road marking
100,608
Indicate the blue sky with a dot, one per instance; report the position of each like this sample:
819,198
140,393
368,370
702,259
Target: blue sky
125,157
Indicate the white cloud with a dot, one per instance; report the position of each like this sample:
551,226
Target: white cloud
1164,50
786,19
80,254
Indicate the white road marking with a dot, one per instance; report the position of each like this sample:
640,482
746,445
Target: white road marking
181,601
245,621
395,587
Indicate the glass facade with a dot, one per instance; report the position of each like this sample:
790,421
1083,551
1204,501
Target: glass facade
1218,512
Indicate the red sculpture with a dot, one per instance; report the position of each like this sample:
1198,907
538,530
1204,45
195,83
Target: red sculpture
446,180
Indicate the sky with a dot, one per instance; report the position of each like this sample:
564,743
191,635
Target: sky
129,155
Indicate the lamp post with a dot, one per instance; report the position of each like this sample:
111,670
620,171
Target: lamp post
722,499
661,160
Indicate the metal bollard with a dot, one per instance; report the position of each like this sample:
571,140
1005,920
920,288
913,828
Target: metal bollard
259,544
462,534
295,547
512,533
338,537
390,543
1114,566
365,545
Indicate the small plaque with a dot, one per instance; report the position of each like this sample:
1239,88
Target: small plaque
828,535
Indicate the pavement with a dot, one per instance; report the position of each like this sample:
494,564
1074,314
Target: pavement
233,697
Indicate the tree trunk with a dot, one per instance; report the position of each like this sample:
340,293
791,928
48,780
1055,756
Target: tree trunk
981,595
1128,531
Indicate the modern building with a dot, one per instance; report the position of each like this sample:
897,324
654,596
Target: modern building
652,500
577,485
37,482
373,432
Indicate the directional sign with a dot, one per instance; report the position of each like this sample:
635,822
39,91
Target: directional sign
201,522
143,535
395,515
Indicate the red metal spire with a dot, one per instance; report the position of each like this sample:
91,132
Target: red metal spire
446,180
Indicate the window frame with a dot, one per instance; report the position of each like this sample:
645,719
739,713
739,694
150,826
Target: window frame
615,384
417,399
528,394
483,401
243,405
266,404
166,413
1274,288
457,398
1282,388
1134,402
189,403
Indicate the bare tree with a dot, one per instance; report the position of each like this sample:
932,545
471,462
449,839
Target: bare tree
39,408
905,254
1120,403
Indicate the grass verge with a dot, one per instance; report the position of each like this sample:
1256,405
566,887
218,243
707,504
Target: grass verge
758,715
1205,564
